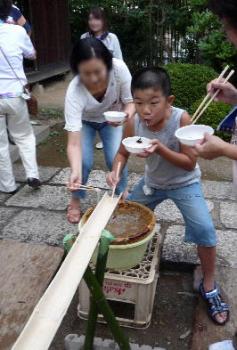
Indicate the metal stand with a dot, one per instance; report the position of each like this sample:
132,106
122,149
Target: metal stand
98,302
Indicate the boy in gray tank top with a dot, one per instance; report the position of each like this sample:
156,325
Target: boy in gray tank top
172,172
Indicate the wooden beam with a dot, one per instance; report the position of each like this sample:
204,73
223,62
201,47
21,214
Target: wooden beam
51,309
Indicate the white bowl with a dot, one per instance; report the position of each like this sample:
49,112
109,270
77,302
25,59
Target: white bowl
193,134
132,146
115,117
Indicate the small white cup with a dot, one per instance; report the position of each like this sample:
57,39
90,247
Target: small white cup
193,134
133,146
115,117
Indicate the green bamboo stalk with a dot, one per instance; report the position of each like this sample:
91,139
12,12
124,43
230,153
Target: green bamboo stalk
105,309
97,292
106,239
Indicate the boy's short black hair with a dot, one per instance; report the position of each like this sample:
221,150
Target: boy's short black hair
86,49
225,9
155,78
5,9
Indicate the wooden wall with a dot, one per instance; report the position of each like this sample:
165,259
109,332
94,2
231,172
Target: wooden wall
51,30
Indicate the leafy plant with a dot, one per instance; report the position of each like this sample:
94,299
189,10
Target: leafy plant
205,40
189,82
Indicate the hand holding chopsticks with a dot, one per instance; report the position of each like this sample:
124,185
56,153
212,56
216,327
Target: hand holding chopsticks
208,99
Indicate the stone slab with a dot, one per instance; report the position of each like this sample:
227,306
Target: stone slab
205,332
6,215
46,173
228,215
91,200
226,249
168,212
176,251
38,227
41,133
26,270
74,342
47,197
97,178
4,197
219,190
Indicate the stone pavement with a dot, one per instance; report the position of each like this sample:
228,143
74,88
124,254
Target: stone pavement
74,342
39,216
41,133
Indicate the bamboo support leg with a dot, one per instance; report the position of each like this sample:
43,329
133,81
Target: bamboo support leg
105,241
105,309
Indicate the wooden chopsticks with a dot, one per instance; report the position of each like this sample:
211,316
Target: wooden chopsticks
209,99
87,188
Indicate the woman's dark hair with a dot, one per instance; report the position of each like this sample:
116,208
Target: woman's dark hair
5,9
86,49
225,9
152,78
98,13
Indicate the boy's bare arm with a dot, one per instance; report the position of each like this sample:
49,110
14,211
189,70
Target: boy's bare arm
123,155
185,159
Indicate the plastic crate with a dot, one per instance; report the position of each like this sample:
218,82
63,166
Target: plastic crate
131,293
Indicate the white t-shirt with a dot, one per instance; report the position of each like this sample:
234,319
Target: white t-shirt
81,105
16,44
111,41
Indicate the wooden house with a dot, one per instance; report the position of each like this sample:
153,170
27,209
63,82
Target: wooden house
51,36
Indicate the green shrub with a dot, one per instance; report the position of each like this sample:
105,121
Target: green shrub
189,82
215,113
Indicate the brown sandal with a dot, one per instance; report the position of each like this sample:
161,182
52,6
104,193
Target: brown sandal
73,213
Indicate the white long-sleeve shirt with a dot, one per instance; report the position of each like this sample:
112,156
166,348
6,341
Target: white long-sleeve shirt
111,41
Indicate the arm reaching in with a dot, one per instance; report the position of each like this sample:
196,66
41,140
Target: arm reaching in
228,93
213,147
75,160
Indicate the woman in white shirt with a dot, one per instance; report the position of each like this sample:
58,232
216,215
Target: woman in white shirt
98,28
101,83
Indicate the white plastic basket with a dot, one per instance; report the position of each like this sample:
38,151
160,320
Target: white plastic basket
131,293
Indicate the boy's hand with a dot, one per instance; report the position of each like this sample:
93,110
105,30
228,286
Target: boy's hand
111,179
155,145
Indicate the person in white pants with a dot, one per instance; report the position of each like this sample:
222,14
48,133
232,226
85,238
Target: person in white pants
15,44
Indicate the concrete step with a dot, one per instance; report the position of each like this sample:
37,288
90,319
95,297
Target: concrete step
74,342
41,133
